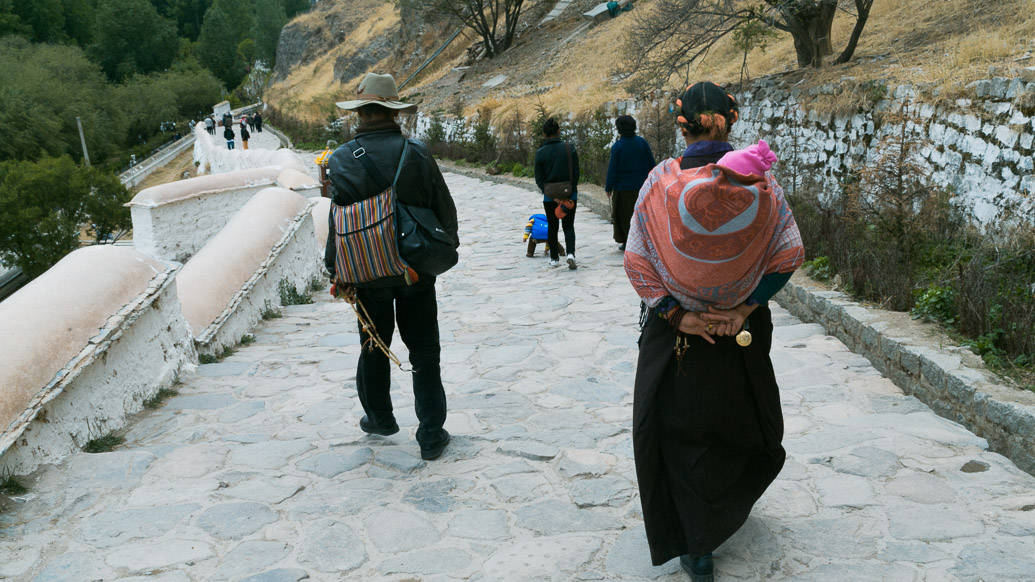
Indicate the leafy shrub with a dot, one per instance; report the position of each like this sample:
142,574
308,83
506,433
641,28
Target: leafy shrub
935,304
818,268
289,295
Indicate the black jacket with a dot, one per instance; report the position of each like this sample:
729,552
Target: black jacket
551,165
420,183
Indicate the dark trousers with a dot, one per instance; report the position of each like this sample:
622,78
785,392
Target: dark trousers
568,223
416,310
622,204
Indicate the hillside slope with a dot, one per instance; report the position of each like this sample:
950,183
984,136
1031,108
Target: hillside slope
568,65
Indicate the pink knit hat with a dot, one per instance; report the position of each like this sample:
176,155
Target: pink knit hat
756,159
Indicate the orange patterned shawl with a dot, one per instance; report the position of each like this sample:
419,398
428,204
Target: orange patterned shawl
707,235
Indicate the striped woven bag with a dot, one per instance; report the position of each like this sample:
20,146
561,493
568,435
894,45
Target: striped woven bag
367,247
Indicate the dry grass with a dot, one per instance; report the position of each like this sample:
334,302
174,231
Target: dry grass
311,90
940,44
171,172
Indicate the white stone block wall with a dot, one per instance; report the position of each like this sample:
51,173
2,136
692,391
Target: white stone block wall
980,148
136,349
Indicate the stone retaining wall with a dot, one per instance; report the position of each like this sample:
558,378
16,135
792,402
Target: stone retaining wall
980,147
949,379
78,360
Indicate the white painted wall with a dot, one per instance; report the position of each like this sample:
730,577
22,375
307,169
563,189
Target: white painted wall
127,338
225,286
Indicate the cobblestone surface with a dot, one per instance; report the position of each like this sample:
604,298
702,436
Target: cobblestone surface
258,470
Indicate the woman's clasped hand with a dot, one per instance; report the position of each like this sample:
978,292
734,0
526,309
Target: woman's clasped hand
705,324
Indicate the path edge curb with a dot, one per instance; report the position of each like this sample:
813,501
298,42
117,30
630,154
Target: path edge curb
937,376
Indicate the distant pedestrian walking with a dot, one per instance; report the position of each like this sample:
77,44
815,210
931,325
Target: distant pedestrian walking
258,121
210,125
244,136
557,175
361,174
228,135
707,249
228,120
631,161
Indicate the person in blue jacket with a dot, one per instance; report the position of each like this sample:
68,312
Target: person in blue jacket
631,161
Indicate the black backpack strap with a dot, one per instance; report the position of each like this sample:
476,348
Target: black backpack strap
360,153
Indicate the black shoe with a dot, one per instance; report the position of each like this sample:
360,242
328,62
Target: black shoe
369,427
621,247
435,451
700,568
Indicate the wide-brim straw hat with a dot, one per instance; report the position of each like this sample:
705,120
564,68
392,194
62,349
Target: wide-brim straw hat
380,90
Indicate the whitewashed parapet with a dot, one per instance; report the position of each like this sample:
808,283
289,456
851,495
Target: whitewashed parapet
212,157
227,284
938,375
321,211
81,347
172,221
300,182
981,147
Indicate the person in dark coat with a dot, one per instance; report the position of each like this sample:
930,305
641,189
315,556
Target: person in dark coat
707,424
258,121
228,135
389,301
245,136
557,161
631,161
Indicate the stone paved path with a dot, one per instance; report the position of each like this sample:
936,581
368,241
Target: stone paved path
258,471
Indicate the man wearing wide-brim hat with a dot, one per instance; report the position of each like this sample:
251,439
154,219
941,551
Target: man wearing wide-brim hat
391,300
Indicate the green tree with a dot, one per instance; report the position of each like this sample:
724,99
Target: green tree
45,18
293,8
187,14
217,48
103,207
131,37
146,104
11,22
269,19
79,19
44,204
195,88
241,14
44,89
40,209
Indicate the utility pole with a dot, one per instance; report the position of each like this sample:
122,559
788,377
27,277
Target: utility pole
82,139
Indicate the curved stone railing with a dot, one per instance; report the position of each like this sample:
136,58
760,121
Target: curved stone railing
320,211
81,347
227,284
300,182
172,221
211,156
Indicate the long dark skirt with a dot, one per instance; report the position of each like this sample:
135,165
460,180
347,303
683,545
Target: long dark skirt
706,434
623,203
